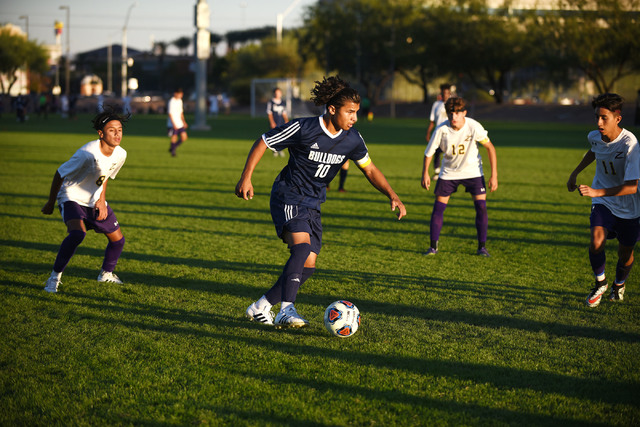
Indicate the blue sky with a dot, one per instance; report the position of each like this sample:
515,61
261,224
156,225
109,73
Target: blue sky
96,23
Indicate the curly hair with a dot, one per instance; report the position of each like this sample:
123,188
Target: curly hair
611,101
107,115
455,104
334,91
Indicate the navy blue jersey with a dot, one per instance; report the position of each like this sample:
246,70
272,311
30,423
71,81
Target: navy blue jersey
315,157
276,109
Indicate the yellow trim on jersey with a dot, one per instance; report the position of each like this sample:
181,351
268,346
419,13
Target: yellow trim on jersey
364,162
484,141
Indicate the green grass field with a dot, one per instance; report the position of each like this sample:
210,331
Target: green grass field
453,339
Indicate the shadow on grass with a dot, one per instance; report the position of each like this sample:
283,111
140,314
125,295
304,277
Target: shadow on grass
184,322
521,294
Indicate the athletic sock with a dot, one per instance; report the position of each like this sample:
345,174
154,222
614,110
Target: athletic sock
274,295
622,272
111,254
263,303
293,271
306,273
482,221
598,262
437,217
343,178
67,249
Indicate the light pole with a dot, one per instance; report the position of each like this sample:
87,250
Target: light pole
26,18
280,20
25,84
123,86
201,54
67,76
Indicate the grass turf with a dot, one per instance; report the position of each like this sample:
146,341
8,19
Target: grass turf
453,339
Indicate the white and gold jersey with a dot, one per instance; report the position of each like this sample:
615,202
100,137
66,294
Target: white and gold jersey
460,156
616,162
86,171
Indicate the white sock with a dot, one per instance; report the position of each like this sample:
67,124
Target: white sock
285,305
601,277
262,303
56,275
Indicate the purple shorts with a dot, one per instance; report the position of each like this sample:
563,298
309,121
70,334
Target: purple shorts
171,131
72,210
626,230
446,187
298,219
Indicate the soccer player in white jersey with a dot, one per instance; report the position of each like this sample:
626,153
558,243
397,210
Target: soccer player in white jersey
318,146
438,115
176,123
80,186
615,201
458,138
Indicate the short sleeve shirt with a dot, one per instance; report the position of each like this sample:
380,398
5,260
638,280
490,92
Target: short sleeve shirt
86,171
461,158
276,108
175,109
315,157
438,113
616,162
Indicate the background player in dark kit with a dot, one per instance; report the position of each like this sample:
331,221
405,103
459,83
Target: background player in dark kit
318,146
277,113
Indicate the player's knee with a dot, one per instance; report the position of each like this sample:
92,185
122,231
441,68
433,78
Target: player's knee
77,236
117,243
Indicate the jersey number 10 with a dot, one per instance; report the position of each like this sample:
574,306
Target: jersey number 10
322,171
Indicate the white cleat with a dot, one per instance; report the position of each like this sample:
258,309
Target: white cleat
51,285
262,316
109,276
289,318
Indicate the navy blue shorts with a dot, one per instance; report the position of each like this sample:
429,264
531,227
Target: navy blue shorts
72,210
297,219
446,187
171,131
626,230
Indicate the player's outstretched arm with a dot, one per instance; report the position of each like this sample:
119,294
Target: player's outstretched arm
377,179
56,183
629,187
493,161
587,159
244,187
426,179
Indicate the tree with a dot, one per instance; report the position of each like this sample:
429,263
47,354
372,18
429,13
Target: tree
16,52
268,59
600,38
182,44
358,39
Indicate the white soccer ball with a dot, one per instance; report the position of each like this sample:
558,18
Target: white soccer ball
342,318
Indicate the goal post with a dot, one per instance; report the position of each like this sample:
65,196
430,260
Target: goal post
262,92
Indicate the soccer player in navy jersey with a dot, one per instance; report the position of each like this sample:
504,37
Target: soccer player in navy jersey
80,186
318,146
615,201
277,114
